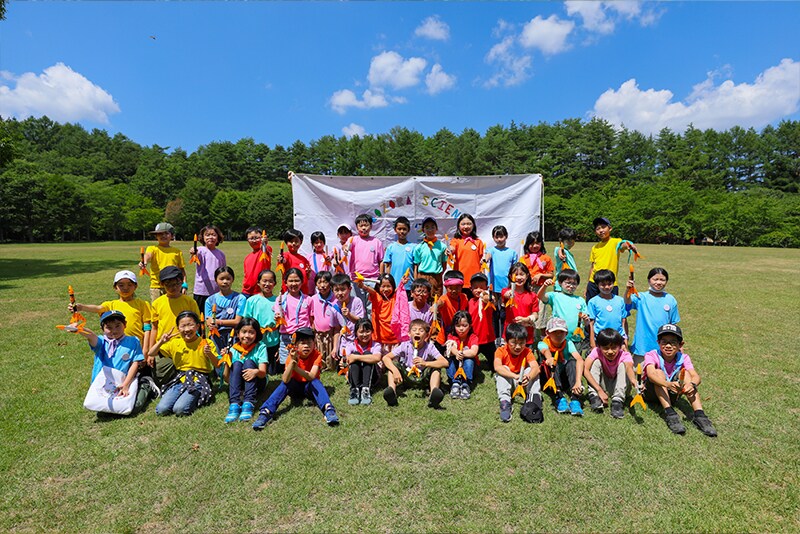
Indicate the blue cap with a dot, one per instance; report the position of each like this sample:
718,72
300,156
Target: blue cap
113,314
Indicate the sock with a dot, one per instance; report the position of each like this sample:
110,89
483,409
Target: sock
669,411
698,413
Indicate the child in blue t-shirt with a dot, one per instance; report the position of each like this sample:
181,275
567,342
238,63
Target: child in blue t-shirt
654,308
399,256
223,310
500,259
606,310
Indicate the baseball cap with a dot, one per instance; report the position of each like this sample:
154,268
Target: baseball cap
163,227
600,220
345,226
670,329
478,277
113,314
429,219
169,272
557,323
121,275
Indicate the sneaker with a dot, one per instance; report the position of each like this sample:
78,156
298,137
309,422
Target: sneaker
455,391
154,391
353,397
234,410
562,407
366,396
596,404
247,411
390,396
330,416
263,419
575,408
465,392
617,409
674,423
505,411
436,398
704,424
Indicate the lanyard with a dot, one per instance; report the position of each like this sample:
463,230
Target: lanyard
675,371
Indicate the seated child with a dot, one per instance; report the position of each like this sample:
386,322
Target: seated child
515,365
419,308
606,310
323,316
116,350
461,349
568,306
260,308
259,259
521,304
362,357
301,377
248,370
605,370
293,310
481,308
564,364
417,361
349,310
193,357
669,373
654,308
160,256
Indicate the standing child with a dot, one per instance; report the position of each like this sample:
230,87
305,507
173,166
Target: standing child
248,370
520,302
500,259
568,306
563,254
654,308
419,307
362,357
451,302
301,378
340,262
417,361
160,256
319,260
350,310
258,260
192,356
606,369
466,248
562,362
514,366
210,259
429,256
606,310
323,314
399,256
669,373
292,311
541,268
365,254
292,259
461,349
224,309
261,308
605,254
481,307
383,304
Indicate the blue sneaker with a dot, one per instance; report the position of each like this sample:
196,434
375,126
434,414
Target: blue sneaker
330,416
575,408
561,407
233,413
263,419
247,411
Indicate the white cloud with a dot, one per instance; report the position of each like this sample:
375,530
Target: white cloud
548,35
438,80
593,15
601,17
59,92
513,67
433,28
390,69
345,98
353,129
774,94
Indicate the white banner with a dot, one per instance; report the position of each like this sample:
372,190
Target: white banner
323,203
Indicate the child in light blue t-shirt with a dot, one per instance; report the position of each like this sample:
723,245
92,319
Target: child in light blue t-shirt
500,259
563,255
606,310
569,306
399,256
655,308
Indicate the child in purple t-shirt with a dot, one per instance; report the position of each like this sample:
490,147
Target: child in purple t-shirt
363,356
210,259
605,370
419,308
415,360
348,311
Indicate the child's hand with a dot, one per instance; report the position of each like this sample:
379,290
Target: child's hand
536,278
603,396
524,321
122,391
631,284
561,254
169,335
419,362
524,381
548,360
73,308
250,374
487,257
485,297
398,378
674,387
150,361
359,282
548,282
577,389
207,351
278,313
460,356
351,358
192,251
689,389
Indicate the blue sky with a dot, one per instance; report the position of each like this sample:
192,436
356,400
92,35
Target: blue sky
185,74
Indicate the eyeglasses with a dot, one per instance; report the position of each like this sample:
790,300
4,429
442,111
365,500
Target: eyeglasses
674,343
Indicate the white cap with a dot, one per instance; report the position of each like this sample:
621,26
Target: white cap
344,225
125,274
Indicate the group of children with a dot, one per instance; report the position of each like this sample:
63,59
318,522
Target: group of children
411,312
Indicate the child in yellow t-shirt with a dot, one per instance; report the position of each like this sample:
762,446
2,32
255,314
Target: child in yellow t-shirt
160,256
605,255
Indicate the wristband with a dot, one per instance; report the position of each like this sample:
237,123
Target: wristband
147,327
185,285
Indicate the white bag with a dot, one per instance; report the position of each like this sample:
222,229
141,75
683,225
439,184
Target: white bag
102,396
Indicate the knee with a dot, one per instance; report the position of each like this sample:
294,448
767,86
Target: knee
163,409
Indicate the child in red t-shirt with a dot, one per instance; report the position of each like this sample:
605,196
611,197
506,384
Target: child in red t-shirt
461,350
293,259
481,308
521,303
448,304
259,259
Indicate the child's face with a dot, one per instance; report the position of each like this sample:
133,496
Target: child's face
478,287
294,244
669,345
401,229
605,288
364,335
364,228
658,282
254,240
520,277
430,228
454,291
224,281
385,288
266,283
557,336
163,238
569,286
187,328
465,227
344,236
602,232
341,292
172,287
293,283
323,286
462,328
534,248
500,240
610,352
304,348
515,346
125,288
114,329
569,243
418,334
319,246
247,335
210,238
421,296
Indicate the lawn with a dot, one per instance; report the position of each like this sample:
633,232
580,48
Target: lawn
407,469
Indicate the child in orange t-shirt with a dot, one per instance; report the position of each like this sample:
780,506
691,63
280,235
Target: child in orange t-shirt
515,366
447,305
383,301
301,377
467,249
541,268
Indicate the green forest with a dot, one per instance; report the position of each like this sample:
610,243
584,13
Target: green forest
60,182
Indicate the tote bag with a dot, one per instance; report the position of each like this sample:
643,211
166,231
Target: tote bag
102,396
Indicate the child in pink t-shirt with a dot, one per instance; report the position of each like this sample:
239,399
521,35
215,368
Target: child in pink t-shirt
605,370
365,254
323,313
292,311
319,260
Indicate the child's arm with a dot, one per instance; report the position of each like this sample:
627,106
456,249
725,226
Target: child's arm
631,285
251,374
366,358
166,337
439,363
90,336
533,372
370,291
90,308
691,382
542,293
577,388
548,357
659,378
388,363
502,370
631,374
594,384
470,352
289,369
123,389
313,374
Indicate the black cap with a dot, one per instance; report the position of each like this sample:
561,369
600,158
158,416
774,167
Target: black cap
169,272
429,219
670,329
478,277
599,221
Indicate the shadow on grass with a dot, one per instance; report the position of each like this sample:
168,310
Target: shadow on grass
24,268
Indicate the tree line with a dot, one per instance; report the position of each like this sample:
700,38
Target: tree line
60,182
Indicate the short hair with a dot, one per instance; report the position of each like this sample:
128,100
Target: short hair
317,236
478,277
213,228
658,270
567,234
292,233
516,331
453,275
608,337
569,274
253,229
419,322
402,220
323,275
499,230
224,269
187,313
534,237
267,271
604,276
364,218
363,323
341,280
249,321
303,334
421,282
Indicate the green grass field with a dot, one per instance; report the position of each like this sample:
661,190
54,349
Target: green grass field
408,469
